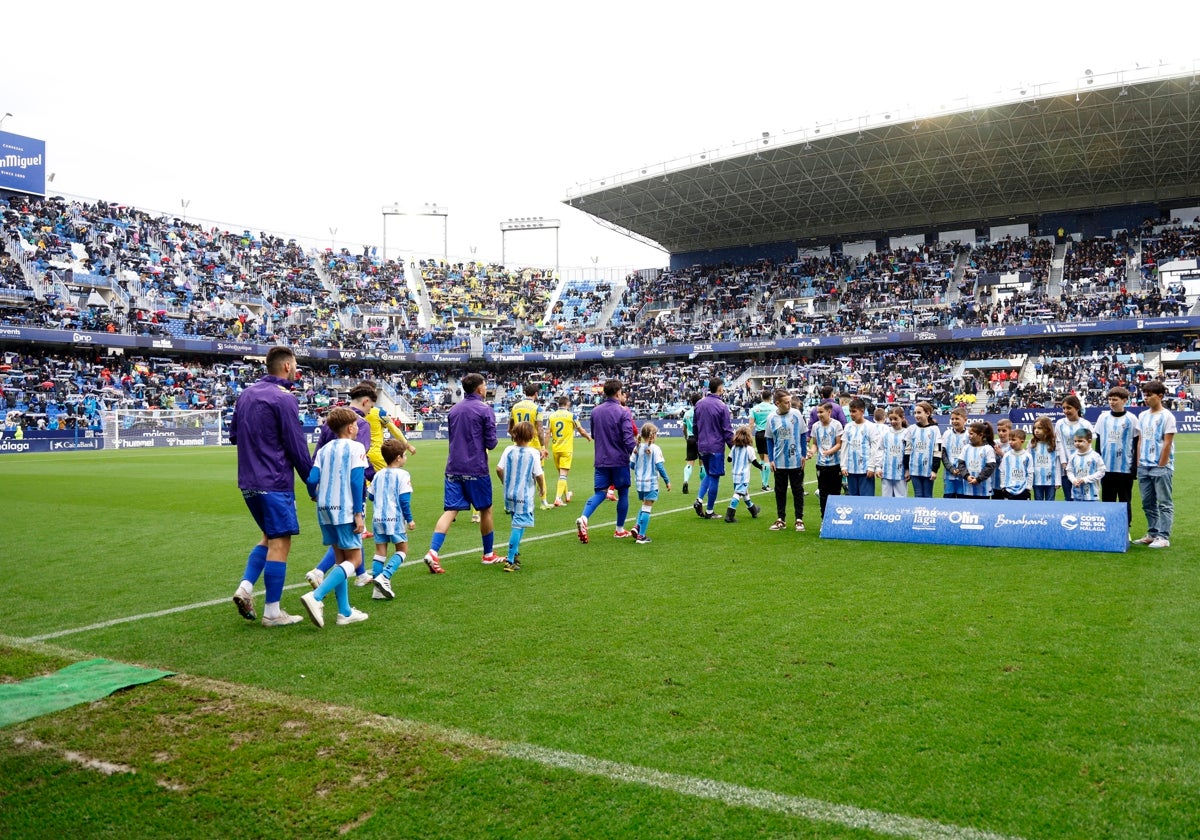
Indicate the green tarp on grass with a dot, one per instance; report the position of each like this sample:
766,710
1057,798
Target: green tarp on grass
82,682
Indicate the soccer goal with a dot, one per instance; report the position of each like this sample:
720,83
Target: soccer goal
132,428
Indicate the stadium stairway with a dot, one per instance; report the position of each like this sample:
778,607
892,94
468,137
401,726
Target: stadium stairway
1057,263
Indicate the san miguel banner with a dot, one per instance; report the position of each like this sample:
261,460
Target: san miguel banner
1065,526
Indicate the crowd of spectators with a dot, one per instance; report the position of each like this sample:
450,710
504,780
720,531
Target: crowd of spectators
107,267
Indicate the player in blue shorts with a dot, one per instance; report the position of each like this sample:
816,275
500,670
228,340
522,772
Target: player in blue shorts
270,445
471,429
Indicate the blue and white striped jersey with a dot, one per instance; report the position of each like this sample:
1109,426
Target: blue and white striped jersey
1045,465
648,464
521,465
976,458
953,444
893,446
391,491
1090,467
1153,427
925,443
825,437
1016,471
788,438
739,464
858,447
1117,437
337,462
1064,434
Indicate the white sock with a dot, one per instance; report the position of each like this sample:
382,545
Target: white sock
271,610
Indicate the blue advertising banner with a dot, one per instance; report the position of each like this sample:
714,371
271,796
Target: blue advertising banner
22,164
1065,526
785,343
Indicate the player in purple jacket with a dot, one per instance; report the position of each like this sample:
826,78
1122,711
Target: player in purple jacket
714,431
270,448
613,434
471,429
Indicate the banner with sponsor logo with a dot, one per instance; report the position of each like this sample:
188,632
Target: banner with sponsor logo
1065,526
22,164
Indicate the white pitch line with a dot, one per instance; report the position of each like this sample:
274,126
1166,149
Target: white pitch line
101,625
881,822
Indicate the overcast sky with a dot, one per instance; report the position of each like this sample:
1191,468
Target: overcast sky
297,118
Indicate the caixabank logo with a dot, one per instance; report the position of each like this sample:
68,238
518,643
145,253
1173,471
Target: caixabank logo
73,444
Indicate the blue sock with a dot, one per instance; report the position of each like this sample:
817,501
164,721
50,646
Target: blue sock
514,542
273,574
254,563
327,561
687,472
336,575
643,522
342,593
713,486
377,566
733,502
622,506
489,542
436,542
703,491
393,564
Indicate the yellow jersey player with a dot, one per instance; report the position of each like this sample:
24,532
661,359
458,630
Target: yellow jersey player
365,396
528,411
561,427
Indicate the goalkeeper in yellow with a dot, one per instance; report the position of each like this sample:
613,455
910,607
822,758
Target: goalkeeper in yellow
561,427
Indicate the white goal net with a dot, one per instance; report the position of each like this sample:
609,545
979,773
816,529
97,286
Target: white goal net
129,428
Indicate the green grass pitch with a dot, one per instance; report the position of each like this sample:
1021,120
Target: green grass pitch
846,689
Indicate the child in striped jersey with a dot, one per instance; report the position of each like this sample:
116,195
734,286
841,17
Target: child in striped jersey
1003,428
1045,460
648,466
1064,432
335,483
1117,433
895,448
978,460
925,446
954,441
391,491
741,456
1016,468
1085,468
520,469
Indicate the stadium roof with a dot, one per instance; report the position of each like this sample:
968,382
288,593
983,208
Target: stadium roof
1127,138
